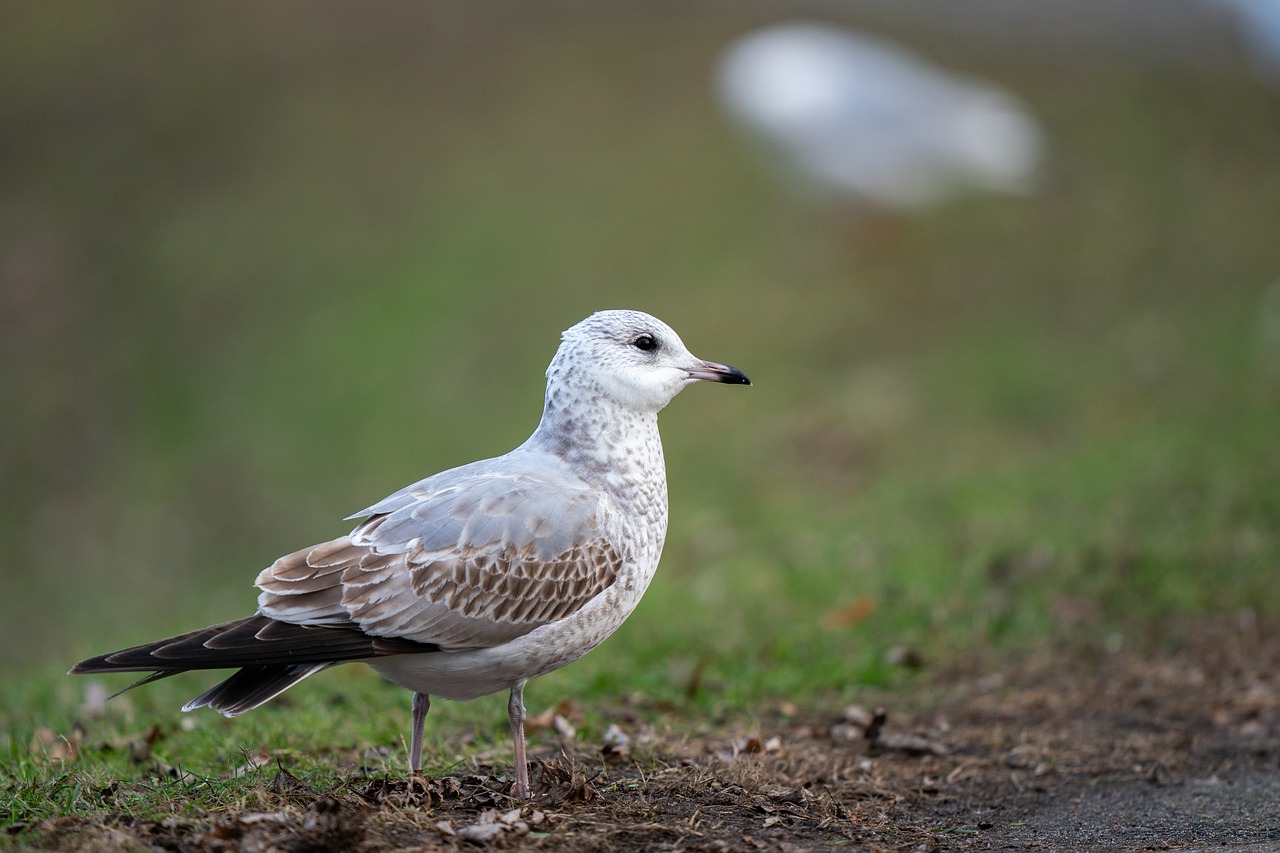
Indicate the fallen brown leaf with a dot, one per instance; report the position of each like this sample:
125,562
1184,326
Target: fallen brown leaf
848,615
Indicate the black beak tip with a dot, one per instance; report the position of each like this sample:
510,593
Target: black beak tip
710,371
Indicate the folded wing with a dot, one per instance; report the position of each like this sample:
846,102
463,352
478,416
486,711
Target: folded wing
471,558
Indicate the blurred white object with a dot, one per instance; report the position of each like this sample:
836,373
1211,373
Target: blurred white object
853,116
1258,22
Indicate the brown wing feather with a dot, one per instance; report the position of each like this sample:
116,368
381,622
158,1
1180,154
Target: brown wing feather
514,587
474,564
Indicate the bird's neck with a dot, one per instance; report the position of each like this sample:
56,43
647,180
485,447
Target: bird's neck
616,448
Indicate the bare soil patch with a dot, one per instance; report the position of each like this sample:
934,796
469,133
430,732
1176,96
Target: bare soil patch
1069,749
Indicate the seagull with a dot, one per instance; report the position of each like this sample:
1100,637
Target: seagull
855,119
482,577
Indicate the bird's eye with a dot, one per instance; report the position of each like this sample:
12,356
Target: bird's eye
645,343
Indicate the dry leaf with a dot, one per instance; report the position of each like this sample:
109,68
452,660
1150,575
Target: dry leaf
566,708
563,727
616,741
858,716
491,825
848,615
754,744
910,744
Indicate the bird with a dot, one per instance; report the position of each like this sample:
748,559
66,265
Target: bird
858,121
482,577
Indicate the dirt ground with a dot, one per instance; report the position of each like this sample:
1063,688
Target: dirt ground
1060,750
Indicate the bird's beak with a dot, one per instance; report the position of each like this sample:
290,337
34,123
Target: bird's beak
709,371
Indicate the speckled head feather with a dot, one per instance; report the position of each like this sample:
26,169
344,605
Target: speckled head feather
630,358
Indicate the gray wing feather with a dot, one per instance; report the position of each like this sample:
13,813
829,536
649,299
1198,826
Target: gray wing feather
470,558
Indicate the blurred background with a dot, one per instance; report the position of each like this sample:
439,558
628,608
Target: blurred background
262,264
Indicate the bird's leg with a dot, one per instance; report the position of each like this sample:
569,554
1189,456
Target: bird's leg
421,705
515,712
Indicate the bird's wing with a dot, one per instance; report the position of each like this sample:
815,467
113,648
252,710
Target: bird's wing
471,558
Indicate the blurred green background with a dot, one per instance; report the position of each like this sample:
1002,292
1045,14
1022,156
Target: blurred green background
264,263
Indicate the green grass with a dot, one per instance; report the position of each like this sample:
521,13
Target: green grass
258,294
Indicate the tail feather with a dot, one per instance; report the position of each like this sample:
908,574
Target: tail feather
146,679
254,641
271,657
251,687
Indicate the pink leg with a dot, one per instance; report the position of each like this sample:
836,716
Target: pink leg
515,712
421,705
